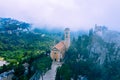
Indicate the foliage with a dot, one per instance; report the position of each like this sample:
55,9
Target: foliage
18,44
63,73
80,63
44,64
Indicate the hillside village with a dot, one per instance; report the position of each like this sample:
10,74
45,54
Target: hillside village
30,53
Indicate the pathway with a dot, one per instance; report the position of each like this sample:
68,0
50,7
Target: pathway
50,75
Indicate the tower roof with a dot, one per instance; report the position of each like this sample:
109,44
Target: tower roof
67,29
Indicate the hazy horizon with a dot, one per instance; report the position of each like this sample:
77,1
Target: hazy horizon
75,14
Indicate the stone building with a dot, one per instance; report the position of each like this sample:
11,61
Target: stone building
58,51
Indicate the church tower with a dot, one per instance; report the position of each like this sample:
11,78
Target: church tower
58,51
67,37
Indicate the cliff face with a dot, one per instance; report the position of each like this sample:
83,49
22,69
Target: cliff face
111,37
105,47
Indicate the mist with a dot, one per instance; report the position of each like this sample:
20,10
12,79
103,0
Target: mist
75,14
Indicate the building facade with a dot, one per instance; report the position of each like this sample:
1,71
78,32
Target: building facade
58,51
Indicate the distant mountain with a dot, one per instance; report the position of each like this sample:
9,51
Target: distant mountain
11,25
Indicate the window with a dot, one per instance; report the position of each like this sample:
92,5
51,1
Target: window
55,59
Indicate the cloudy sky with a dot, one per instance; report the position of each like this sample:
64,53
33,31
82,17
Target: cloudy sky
76,14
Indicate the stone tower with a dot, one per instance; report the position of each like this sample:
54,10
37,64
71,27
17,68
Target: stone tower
67,37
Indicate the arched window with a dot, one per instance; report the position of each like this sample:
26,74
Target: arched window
55,59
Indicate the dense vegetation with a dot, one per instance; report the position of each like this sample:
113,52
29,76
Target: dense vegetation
78,63
19,45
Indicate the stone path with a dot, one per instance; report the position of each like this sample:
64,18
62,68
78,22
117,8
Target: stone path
50,75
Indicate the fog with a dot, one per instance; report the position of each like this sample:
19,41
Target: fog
75,14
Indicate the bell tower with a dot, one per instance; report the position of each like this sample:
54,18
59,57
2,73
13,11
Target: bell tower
67,37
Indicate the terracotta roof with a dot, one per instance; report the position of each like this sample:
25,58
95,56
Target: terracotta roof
60,45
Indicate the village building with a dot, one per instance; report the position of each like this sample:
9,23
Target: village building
58,51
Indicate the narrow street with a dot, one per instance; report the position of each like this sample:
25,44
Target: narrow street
50,75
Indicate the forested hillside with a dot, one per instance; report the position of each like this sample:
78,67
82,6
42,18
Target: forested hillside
91,57
19,44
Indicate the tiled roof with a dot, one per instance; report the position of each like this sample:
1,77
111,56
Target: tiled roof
60,45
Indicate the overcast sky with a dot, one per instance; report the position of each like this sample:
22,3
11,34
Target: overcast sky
76,14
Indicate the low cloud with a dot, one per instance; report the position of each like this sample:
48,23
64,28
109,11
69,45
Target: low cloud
76,14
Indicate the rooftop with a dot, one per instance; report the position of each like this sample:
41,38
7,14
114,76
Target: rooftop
67,29
60,45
